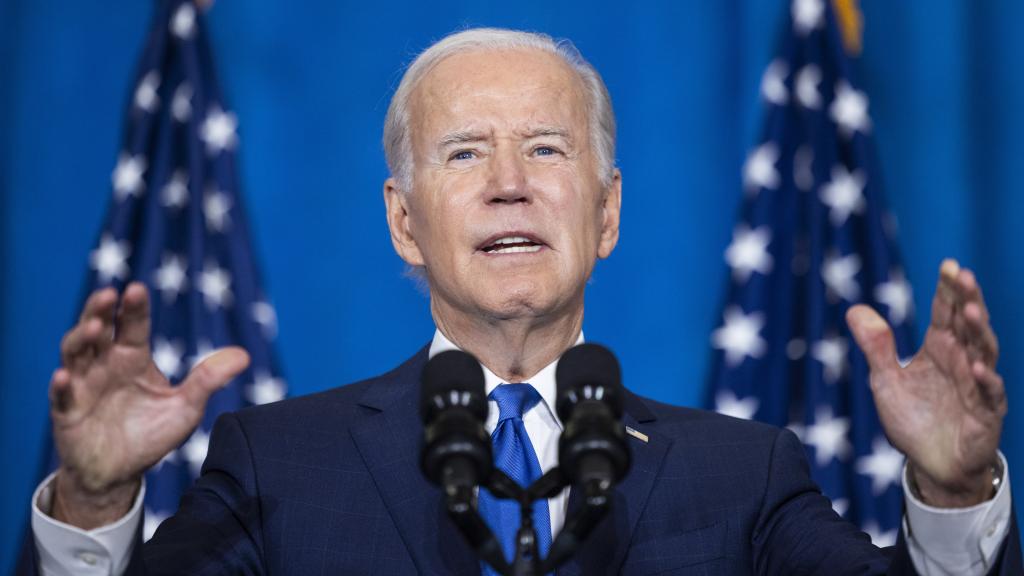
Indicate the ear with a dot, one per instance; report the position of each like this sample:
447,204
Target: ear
396,201
610,216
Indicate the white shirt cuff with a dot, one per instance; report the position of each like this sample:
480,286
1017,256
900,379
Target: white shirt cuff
957,541
65,550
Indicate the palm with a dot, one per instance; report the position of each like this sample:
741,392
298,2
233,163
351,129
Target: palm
944,410
114,413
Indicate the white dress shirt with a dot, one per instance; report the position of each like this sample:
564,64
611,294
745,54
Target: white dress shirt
960,541
541,423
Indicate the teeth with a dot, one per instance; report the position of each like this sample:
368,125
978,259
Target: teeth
513,240
516,249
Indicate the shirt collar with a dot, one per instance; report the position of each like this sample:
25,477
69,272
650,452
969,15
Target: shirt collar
543,381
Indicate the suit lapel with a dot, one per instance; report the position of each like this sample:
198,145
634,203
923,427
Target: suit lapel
604,551
389,437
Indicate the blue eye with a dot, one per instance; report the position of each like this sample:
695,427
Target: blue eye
545,151
462,155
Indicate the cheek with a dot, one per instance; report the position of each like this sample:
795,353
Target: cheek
445,226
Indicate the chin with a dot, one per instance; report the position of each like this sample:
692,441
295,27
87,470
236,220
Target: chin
523,299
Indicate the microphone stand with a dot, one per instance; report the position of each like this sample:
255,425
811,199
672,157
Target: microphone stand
527,561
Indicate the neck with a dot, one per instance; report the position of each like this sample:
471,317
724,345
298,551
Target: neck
515,349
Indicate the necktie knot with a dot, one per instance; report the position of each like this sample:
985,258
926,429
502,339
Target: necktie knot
514,400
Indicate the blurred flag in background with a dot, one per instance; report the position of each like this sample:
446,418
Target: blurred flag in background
813,238
176,222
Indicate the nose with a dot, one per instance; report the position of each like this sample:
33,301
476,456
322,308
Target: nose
508,179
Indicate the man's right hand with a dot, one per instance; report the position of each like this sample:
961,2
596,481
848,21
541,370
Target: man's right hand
114,413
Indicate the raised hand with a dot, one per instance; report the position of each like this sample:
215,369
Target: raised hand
114,413
945,409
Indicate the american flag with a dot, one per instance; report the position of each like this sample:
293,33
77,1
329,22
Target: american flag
812,240
176,223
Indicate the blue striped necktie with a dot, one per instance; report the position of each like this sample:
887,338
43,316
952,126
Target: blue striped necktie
514,454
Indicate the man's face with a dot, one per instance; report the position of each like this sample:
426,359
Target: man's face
507,212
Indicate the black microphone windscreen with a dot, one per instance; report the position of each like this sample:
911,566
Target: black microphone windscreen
588,364
452,370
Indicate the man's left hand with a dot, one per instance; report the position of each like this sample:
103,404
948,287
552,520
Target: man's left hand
945,409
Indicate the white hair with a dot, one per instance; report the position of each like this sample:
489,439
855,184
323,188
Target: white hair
601,118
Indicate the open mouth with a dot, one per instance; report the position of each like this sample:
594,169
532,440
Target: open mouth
511,245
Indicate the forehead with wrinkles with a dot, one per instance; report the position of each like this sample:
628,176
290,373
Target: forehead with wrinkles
492,93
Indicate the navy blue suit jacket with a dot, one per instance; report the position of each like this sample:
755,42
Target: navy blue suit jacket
330,484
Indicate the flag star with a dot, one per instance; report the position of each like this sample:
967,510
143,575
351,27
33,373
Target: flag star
807,80
759,170
215,284
841,505
844,194
739,337
175,193
181,104
265,315
168,356
879,538
127,176
146,97
748,252
216,209
850,110
828,436
170,277
727,403
218,131
807,15
183,22
884,465
897,297
840,276
773,83
195,450
831,352
151,521
265,389
110,259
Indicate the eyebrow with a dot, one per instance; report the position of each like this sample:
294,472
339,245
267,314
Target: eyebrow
460,137
547,131
465,136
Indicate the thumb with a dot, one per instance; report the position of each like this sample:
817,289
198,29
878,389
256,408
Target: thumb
213,373
874,337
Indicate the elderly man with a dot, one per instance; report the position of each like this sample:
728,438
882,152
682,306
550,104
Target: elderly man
504,194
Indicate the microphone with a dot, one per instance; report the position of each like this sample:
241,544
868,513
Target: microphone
592,451
457,450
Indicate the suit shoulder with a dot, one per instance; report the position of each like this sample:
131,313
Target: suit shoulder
340,401
696,423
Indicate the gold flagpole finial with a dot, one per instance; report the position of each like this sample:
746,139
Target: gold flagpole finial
851,24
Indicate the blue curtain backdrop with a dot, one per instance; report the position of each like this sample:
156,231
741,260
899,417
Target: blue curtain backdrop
310,83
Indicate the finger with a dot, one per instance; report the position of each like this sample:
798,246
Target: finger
133,322
77,348
874,337
98,304
970,291
60,392
92,333
951,359
212,374
991,386
945,299
983,339
976,330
